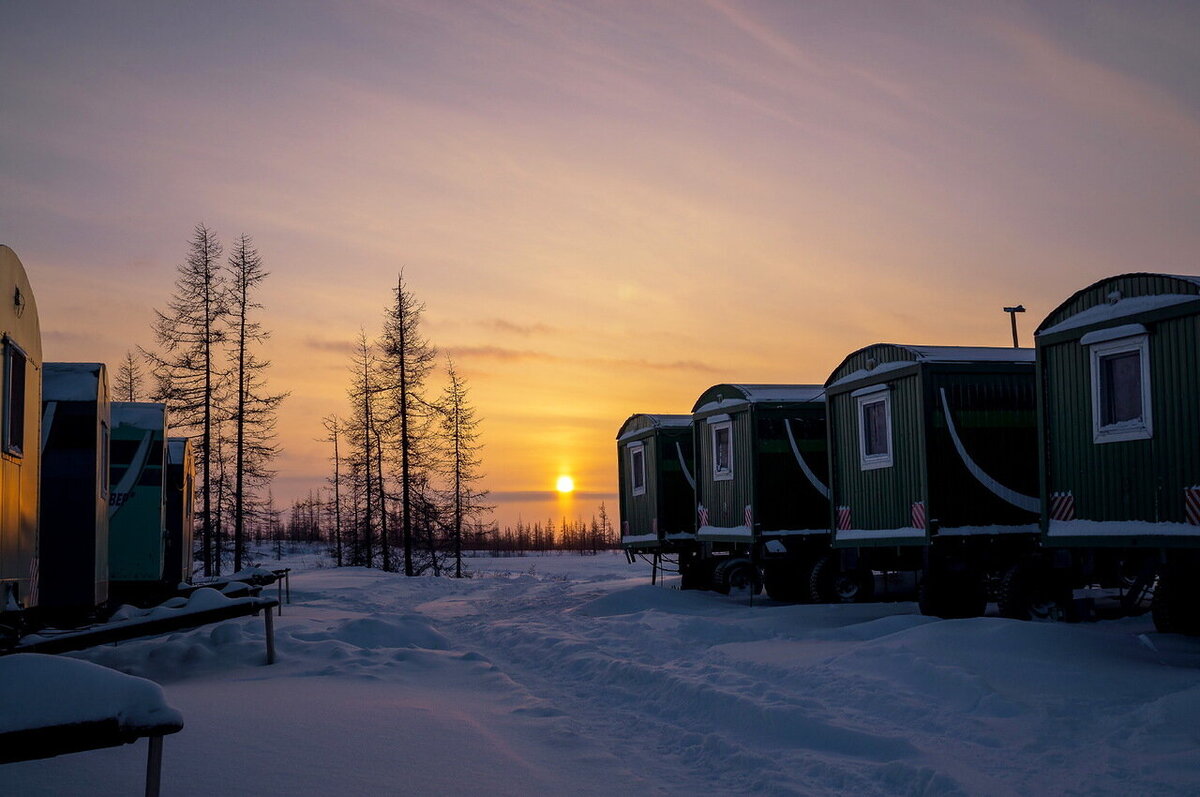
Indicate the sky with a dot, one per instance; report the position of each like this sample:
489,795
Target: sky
606,207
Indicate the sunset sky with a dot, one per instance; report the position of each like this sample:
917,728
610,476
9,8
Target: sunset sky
606,207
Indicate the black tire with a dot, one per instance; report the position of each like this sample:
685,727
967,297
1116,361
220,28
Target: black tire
1176,609
717,580
1029,593
740,575
952,595
828,583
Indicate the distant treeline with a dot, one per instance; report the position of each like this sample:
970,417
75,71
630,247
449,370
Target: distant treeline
311,520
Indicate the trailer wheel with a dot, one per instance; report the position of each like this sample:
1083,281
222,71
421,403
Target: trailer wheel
952,595
1029,593
1176,609
828,583
737,575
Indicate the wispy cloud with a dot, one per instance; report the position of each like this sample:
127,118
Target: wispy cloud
336,346
548,495
502,325
504,354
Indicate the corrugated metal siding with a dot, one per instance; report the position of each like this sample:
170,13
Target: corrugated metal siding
638,510
1134,479
726,500
881,353
881,498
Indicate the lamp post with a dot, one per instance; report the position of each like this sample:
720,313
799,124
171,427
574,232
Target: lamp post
1012,315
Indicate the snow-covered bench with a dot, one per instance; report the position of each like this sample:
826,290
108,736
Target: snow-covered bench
202,607
51,706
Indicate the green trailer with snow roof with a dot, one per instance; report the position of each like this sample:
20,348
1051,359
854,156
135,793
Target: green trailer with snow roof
1119,393
654,477
933,463
137,501
762,502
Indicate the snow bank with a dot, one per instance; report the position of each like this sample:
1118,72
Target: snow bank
571,674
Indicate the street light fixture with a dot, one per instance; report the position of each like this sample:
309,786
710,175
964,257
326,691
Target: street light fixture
1012,314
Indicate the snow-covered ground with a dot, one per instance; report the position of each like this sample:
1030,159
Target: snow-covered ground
572,675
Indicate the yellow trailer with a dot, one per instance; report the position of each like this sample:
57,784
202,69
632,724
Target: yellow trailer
20,435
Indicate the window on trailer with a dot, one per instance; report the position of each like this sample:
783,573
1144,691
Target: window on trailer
13,403
1121,390
875,430
722,450
637,469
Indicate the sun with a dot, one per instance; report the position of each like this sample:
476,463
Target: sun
565,484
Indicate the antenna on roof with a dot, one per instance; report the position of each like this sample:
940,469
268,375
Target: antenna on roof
1012,315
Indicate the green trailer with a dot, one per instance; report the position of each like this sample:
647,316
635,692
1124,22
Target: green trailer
180,511
656,488
20,433
933,462
1118,387
762,503
137,501
74,514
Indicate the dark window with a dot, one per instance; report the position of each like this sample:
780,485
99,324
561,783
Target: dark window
1120,388
721,453
637,464
14,400
875,429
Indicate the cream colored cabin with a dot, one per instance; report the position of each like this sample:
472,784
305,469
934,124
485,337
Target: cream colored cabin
20,434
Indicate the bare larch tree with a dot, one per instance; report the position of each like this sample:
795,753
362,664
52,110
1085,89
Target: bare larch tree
406,359
460,461
187,367
253,409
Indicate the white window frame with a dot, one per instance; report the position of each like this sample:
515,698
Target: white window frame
1127,430
637,464
874,461
726,474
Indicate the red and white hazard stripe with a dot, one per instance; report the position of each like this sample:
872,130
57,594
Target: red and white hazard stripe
748,517
918,514
702,510
1191,502
1062,506
843,518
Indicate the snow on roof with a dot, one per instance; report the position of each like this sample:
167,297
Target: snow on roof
970,354
758,394
1134,305
71,381
655,422
933,354
669,420
40,691
141,414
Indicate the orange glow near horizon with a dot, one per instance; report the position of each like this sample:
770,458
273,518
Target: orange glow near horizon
565,484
